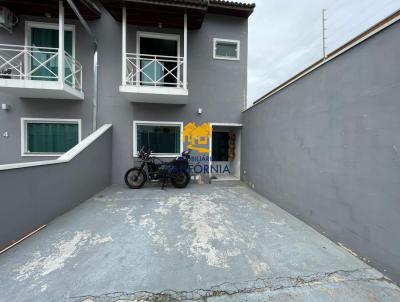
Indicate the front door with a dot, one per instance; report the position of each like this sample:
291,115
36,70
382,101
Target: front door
220,146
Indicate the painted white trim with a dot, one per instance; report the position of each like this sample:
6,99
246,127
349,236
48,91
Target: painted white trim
184,52
67,157
45,25
216,40
61,34
83,144
124,46
210,144
36,24
40,89
24,139
157,123
156,35
210,153
227,124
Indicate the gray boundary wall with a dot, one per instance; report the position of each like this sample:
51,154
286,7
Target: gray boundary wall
327,149
32,196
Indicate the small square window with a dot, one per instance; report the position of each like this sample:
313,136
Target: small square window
226,49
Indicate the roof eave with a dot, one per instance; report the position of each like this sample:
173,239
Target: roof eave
244,12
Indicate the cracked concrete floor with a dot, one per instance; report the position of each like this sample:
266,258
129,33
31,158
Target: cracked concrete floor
219,242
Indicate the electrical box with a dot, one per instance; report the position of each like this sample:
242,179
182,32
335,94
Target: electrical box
6,18
5,107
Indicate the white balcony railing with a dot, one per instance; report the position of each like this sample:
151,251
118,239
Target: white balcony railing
154,70
20,62
74,76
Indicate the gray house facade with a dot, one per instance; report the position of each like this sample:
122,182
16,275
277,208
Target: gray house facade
170,76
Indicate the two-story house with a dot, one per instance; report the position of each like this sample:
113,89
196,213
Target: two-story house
167,74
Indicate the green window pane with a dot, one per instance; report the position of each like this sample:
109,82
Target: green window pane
68,49
159,139
45,37
152,71
226,49
51,137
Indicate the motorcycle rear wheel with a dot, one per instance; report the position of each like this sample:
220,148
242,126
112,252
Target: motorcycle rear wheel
135,179
180,179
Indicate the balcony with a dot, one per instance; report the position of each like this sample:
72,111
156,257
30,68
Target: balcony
154,79
33,72
155,72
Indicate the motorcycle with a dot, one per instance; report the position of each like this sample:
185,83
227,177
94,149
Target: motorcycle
153,168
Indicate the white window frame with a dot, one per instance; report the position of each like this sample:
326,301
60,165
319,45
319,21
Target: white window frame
28,37
216,57
161,36
24,131
33,24
157,123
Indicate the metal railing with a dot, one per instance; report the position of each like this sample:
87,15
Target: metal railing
154,70
74,75
38,63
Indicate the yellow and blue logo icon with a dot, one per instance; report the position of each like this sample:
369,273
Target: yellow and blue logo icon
197,137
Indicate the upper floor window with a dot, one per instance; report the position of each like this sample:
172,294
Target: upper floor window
226,49
158,59
43,55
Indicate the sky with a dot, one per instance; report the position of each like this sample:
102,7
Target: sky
285,36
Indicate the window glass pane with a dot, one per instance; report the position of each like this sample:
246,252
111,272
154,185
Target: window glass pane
45,58
159,139
152,71
165,68
68,64
226,49
51,137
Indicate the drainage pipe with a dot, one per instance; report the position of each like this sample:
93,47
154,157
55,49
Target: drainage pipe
95,55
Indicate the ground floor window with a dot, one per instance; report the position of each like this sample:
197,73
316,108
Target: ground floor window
162,138
220,146
49,136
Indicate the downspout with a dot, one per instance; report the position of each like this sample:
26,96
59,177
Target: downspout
95,65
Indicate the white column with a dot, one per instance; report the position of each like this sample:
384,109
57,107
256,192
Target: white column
61,60
185,51
124,46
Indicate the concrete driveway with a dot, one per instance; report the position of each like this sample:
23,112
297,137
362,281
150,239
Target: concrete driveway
219,242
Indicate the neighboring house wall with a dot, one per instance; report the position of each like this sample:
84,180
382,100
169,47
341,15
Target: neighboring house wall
216,86
10,120
327,149
33,196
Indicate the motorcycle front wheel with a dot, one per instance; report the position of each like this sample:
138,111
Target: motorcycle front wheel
180,179
134,178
